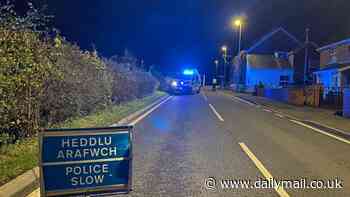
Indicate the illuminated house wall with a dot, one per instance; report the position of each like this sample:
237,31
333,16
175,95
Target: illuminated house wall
269,77
266,61
334,65
328,78
268,70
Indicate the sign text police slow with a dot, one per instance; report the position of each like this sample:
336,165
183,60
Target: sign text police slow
86,161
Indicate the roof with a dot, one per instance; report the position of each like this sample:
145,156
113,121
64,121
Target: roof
333,45
268,61
277,40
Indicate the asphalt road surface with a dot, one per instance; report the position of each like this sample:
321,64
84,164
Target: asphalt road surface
191,138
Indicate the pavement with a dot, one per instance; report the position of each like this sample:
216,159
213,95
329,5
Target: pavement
195,145
322,116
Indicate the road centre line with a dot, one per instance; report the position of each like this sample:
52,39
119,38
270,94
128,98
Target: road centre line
321,131
149,111
216,113
281,192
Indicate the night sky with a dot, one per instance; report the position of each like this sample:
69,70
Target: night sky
171,33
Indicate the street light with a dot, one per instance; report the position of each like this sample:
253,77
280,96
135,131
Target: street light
224,50
238,23
216,62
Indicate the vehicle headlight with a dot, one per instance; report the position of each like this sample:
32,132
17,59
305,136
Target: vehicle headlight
174,83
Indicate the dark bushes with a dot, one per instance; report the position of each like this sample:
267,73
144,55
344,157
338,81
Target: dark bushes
45,80
129,81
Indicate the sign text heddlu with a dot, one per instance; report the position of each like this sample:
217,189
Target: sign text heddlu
85,161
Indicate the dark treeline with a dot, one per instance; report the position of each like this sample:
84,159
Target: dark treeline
45,79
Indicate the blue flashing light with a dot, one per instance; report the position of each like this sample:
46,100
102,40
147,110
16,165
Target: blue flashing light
188,72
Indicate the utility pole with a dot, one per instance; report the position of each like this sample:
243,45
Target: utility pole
306,63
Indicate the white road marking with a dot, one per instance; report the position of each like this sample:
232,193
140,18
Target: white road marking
205,97
279,115
216,113
267,110
35,193
329,127
284,114
244,101
322,132
149,111
262,169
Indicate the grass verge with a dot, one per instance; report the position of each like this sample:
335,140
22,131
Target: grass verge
16,159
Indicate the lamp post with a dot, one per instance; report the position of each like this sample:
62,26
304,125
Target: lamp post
238,23
216,62
224,50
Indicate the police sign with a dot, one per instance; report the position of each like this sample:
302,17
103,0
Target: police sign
85,161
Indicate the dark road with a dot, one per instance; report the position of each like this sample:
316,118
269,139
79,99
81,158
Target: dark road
184,141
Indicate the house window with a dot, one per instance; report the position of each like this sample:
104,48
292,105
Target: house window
281,55
332,52
284,80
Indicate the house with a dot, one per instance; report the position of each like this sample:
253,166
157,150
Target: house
267,62
334,71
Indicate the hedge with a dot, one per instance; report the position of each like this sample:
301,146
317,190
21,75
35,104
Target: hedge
45,79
